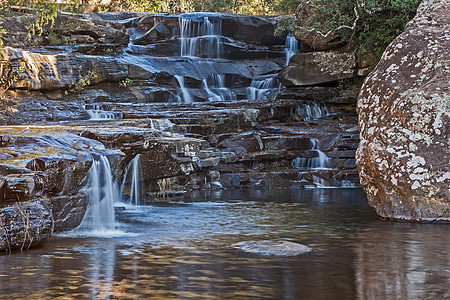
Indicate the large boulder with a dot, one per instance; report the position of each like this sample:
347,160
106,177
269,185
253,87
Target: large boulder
315,40
404,112
318,67
25,225
66,30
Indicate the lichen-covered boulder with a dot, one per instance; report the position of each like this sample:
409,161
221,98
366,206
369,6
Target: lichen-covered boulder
24,225
404,111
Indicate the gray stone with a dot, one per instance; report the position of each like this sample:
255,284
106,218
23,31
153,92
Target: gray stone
269,247
68,211
318,67
25,225
20,187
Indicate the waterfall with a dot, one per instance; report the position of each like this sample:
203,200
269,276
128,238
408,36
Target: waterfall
183,96
200,38
291,47
216,89
321,161
134,171
97,113
100,192
311,110
261,87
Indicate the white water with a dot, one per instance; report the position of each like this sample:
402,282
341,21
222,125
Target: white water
96,113
133,174
200,38
214,87
321,161
291,47
311,110
184,96
261,87
101,192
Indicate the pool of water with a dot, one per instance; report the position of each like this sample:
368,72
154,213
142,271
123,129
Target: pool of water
183,250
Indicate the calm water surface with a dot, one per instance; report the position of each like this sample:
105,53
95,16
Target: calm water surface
182,250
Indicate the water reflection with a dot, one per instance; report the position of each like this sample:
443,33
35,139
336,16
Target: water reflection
403,261
183,250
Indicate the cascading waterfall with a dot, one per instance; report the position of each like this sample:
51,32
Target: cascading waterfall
311,110
100,192
133,175
183,96
261,87
216,89
201,38
97,113
321,161
291,47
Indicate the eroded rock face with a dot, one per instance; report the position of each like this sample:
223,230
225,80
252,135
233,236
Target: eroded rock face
66,31
318,67
25,225
404,114
314,39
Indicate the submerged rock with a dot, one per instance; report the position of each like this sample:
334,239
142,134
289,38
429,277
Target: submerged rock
403,158
25,225
269,247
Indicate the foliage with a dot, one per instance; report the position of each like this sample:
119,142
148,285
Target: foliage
370,25
125,82
83,80
261,7
6,81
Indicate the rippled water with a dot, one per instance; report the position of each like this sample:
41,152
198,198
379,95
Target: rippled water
183,250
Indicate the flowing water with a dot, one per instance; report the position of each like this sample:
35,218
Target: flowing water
291,47
182,250
319,161
261,87
101,193
132,176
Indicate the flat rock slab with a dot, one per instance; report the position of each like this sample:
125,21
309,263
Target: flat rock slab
268,247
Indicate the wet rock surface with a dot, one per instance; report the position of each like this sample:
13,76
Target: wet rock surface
25,225
318,67
269,247
404,104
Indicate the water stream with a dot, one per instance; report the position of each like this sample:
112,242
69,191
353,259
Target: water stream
132,177
291,47
101,193
318,162
182,250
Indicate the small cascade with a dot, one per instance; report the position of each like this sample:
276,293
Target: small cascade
321,161
215,88
161,124
311,110
101,192
97,113
201,39
291,47
261,87
133,174
184,96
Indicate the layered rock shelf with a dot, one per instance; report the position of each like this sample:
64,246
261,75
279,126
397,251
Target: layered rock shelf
135,90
